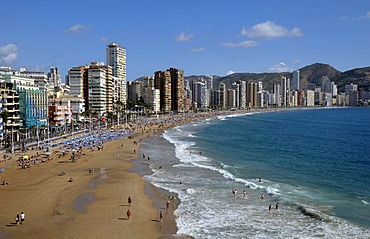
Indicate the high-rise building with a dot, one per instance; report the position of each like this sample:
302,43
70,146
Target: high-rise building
236,87
135,90
231,98
334,89
325,85
162,81
54,78
223,95
284,90
76,77
199,94
99,98
242,94
251,95
295,80
277,97
177,90
116,58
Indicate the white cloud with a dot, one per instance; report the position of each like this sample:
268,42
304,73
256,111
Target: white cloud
200,49
366,16
244,44
280,67
230,72
77,29
8,54
270,30
183,37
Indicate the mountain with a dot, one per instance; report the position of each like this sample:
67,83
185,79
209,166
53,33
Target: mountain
308,74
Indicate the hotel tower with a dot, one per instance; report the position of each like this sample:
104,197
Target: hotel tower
116,58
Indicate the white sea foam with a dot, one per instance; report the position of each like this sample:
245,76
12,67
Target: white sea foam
192,136
364,202
191,190
184,165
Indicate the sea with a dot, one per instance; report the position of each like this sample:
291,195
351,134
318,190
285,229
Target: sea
315,163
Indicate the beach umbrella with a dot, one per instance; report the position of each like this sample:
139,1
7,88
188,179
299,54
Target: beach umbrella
25,157
2,169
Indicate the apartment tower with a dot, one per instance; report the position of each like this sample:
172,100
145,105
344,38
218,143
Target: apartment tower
116,58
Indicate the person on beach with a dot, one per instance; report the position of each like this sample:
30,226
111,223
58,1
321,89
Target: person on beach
270,207
129,200
23,217
168,204
17,219
245,193
234,192
262,196
161,216
277,206
128,213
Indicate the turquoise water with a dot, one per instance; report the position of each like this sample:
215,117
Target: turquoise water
315,163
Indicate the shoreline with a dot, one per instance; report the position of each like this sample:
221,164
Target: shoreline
48,199
90,204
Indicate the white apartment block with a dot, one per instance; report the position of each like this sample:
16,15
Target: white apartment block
116,58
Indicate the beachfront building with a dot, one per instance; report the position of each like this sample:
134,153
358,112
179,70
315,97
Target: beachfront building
236,87
177,89
231,99
39,78
76,82
10,121
19,80
215,96
276,93
162,81
310,98
116,58
295,80
334,89
33,107
199,95
60,111
96,96
223,95
152,98
284,91
53,79
251,95
135,90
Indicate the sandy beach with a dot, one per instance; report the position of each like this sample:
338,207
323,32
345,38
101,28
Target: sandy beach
94,204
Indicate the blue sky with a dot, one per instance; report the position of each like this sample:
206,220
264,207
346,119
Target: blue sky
215,37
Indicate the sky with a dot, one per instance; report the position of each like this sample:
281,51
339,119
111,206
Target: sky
202,37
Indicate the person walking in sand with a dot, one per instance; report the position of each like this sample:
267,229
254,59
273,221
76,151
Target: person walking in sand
17,219
128,213
23,217
161,216
129,200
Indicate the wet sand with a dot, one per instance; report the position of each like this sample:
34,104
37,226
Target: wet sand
92,205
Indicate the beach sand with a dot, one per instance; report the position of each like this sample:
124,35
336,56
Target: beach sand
93,205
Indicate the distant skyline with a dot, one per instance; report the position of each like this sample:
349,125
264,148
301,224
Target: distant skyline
199,36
